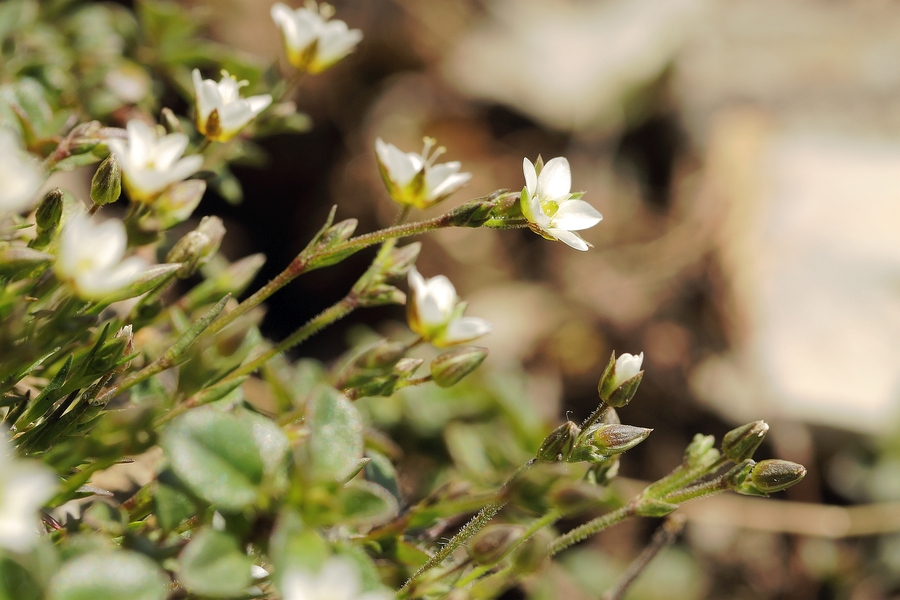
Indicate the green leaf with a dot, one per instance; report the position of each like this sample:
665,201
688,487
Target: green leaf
365,503
335,443
16,583
109,576
216,456
173,507
273,444
213,565
380,470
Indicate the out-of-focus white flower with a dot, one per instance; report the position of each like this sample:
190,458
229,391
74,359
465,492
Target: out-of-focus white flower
221,112
552,210
24,487
313,43
627,366
20,174
413,179
339,579
91,258
435,312
150,164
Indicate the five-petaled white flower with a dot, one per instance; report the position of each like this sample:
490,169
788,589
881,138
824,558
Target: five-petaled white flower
413,179
339,579
221,112
24,487
91,258
313,43
627,366
552,210
435,312
150,164
20,174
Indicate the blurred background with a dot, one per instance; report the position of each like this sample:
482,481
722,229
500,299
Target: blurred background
745,155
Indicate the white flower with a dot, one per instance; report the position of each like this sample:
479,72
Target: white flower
25,485
627,366
150,164
550,207
338,580
413,179
314,43
91,258
20,174
221,112
435,312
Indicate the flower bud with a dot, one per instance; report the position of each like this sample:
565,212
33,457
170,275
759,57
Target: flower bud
533,552
127,334
338,234
381,295
178,201
17,258
170,121
149,279
49,211
701,451
775,475
620,379
382,355
491,544
239,274
559,444
213,229
739,444
614,439
406,367
400,260
106,185
452,366
188,251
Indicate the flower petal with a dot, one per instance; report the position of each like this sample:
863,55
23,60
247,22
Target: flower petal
465,329
555,180
575,215
570,239
531,177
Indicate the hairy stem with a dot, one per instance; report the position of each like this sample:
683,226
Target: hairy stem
591,527
475,525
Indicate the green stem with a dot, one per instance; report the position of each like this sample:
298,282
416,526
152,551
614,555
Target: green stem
301,264
325,318
328,316
595,416
701,490
681,477
475,525
591,527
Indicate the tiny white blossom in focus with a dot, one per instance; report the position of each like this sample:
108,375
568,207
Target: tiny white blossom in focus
91,258
435,312
339,579
413,179
221,112
20,174
313,43
150,164
552,210
627,366
25,485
